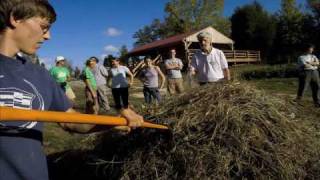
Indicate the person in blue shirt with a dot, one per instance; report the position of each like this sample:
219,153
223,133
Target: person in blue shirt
24,27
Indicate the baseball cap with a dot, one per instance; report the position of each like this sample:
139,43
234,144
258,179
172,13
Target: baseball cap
60,58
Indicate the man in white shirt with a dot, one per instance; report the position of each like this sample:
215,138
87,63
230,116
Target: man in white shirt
210,64
309,74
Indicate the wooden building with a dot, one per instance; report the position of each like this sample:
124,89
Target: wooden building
186,44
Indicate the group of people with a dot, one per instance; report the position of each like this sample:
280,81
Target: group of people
25,25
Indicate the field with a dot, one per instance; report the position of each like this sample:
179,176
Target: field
57,140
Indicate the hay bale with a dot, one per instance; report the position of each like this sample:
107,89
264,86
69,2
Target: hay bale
221,131
228,131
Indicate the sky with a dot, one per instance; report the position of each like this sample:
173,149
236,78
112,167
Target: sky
86,28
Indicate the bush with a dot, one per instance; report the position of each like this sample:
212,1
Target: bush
262,72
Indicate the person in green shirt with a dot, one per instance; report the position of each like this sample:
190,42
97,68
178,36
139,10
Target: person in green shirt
92,105
61,74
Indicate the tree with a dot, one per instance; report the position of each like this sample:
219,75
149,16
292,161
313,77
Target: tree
290,31
312,23
253,28
148,34
184,16
123,54
190,15
123,51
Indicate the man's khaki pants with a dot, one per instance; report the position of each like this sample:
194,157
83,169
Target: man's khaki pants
175,85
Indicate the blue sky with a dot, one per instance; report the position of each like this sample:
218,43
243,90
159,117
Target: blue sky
87,28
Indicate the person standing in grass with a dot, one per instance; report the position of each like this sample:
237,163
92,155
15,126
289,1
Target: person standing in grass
210,64
101,74
174,66
92,105
62,75
309,74
119,84
149,77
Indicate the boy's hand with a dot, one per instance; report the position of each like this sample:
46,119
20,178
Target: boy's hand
134,119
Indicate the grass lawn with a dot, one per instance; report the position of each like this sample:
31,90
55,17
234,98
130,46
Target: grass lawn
57,140
277,85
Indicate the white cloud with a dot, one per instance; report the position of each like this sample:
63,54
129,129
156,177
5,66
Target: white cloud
111,31
111,49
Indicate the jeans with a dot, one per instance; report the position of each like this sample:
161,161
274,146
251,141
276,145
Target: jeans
120,96
150,94
309,78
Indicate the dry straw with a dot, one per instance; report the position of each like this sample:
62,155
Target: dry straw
219,131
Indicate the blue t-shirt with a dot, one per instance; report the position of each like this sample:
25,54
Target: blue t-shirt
24,85
119,78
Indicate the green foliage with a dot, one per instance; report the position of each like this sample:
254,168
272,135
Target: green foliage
313,22
184,16
290,31
123,51
253,28
190,15
265,72
314,5
149,33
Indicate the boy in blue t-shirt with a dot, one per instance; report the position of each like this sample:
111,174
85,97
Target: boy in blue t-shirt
24,26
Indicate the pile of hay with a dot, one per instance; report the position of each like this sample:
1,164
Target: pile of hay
219,131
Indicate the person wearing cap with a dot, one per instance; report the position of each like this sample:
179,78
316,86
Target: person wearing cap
101,74
210,64
92,105
61,74
174,66
308,74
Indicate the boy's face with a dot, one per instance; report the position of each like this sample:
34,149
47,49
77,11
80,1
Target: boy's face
29,34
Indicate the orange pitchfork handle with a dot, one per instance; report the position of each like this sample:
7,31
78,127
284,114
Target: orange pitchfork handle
12,114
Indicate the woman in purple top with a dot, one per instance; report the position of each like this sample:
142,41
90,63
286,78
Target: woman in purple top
149,77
